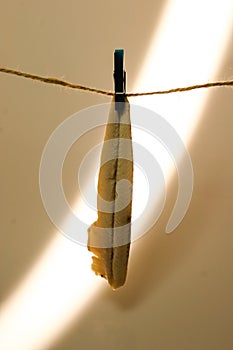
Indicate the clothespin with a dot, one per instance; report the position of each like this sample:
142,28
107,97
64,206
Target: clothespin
119,75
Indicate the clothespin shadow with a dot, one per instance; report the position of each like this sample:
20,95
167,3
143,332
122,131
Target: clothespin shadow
119,80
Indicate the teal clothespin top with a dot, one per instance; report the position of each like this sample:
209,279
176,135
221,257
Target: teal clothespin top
119,75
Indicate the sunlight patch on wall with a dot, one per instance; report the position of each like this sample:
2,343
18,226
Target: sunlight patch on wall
58,288
189,47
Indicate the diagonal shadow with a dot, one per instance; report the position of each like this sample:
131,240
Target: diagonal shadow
157,256
28,230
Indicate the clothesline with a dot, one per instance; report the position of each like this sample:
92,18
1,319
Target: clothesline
56,81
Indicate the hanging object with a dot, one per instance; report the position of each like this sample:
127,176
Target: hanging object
109,236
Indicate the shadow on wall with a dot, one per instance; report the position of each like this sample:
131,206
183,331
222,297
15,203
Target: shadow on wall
88,36
157,256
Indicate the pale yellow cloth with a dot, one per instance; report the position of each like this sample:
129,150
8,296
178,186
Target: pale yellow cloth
111,245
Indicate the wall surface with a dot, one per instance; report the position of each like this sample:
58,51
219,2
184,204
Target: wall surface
179,288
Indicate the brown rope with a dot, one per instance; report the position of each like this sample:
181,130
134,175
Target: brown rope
186,88
55,81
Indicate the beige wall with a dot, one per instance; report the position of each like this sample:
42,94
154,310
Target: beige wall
179,289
